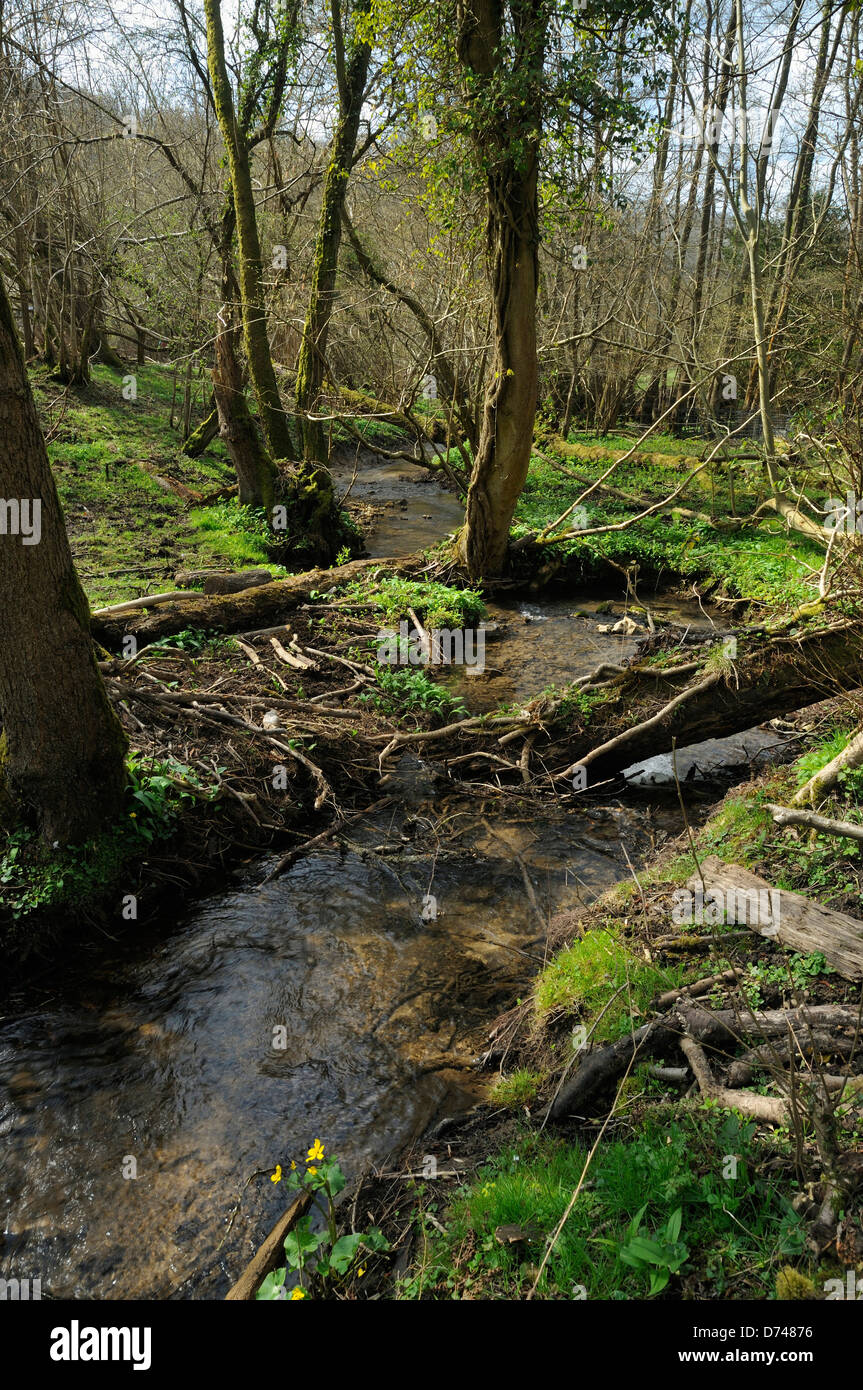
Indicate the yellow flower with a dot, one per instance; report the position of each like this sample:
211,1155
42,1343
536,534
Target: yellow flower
316,1152
297,1293
360,1273
311,1170
133,815
293,1166
277,1176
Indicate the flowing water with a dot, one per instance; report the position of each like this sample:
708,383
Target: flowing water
383,961
145,1094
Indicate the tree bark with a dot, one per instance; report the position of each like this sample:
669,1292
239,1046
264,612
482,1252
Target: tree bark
509,141
256,472
255,337
62,748
311,364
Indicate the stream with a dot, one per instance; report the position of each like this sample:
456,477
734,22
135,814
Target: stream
142,1097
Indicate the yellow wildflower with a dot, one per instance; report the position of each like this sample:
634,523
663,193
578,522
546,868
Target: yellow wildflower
316,1152
277,1176
297,1293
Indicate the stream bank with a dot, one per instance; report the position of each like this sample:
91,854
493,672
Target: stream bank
157,1044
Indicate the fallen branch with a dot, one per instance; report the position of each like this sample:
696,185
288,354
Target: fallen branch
288,859
270,1252
249,610
765,1108
785,815
826,777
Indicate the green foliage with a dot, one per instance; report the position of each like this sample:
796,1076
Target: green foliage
796,970
439,605
106,453
586,974
756,563
236,534
657,1256
823,753
664,1205
35,877
319,1258
198,641
411,690
516,1090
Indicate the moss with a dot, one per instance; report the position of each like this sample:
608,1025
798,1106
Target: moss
585,976
518,1089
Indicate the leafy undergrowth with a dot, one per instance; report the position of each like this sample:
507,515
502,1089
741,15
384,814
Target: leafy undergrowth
404,692
38,879
760,563
439,605
235,535
825,867
663,1211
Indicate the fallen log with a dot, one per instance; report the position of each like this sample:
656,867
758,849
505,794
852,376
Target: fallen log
254,608
727,1028
719,1030
772,679
186,494
607,1065
792,920
814,1044
270,1252
222,581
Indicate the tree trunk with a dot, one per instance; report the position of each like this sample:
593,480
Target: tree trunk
203,435
511,150
256,472
311,364
62,748
255,337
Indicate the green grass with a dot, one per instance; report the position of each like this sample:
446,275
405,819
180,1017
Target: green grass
826,867
621,1240
234,535
758,563
518,1089
117,515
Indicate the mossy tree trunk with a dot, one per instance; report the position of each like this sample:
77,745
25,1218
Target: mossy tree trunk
255,336
352,72
507,135
62,749
256,473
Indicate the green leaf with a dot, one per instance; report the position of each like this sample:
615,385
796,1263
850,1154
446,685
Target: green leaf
344,1251
272,1286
